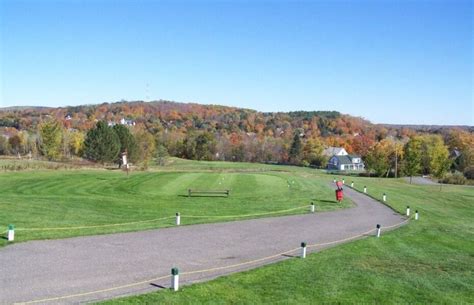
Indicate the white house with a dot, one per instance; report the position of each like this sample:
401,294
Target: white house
341,160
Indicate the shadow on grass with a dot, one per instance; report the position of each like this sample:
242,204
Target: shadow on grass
207,196
328,201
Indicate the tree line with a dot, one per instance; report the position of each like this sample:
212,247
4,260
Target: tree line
203,132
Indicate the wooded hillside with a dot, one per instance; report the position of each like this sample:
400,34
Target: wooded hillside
211,132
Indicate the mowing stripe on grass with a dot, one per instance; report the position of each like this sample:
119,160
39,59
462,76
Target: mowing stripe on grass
157,219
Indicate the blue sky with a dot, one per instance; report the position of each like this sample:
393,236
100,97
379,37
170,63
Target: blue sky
387,61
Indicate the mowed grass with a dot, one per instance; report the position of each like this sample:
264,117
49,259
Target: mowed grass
429,261
65,203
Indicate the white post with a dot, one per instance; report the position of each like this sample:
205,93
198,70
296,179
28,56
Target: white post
408,210
312,207
378,230
416,215
334,180
11,233
175,279
365,190
384,197
303,250
178,219
343,181
352,184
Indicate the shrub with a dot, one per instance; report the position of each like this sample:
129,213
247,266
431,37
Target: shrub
469,172
456,178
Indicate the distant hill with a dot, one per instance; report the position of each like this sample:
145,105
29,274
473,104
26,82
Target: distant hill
175,121
429,128
23,108
214,132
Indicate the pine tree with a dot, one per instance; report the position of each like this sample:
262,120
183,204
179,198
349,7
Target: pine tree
101,144
296,149
127,142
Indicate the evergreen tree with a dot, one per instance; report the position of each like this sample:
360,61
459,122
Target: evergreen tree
101,144
127,142
161,155
296,149
205,146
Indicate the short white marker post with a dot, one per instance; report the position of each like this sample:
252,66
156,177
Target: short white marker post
11,233
343,181
365,190
178,219
175,279
352,184
378,230
416,215
384,197
303,250
334,180
408,210
312,207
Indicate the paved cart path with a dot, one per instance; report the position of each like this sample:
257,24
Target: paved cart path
46,270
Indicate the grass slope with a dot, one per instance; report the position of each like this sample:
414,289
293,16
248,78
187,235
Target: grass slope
70,198
429,261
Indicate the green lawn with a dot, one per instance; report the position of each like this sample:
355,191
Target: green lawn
429,261
77,198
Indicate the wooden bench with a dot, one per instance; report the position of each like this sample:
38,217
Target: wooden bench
224,192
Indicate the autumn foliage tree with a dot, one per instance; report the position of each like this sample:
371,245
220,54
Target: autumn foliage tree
377,159
146,147
50,139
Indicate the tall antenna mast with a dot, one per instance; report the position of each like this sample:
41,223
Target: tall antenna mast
147,92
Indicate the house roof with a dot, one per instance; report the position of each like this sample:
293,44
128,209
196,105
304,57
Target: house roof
343,159
331,151
346,159
353,156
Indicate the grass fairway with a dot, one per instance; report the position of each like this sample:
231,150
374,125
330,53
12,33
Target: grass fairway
429,261
102,198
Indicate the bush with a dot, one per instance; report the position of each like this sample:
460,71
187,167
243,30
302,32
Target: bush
456,178
304,163
469,172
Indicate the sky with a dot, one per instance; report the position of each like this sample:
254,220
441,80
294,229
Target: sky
407,62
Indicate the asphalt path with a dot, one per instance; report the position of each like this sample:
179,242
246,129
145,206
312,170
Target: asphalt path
92,268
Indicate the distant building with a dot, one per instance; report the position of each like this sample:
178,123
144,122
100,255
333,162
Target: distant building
346,163
455,153
123,121
335,151
341,160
